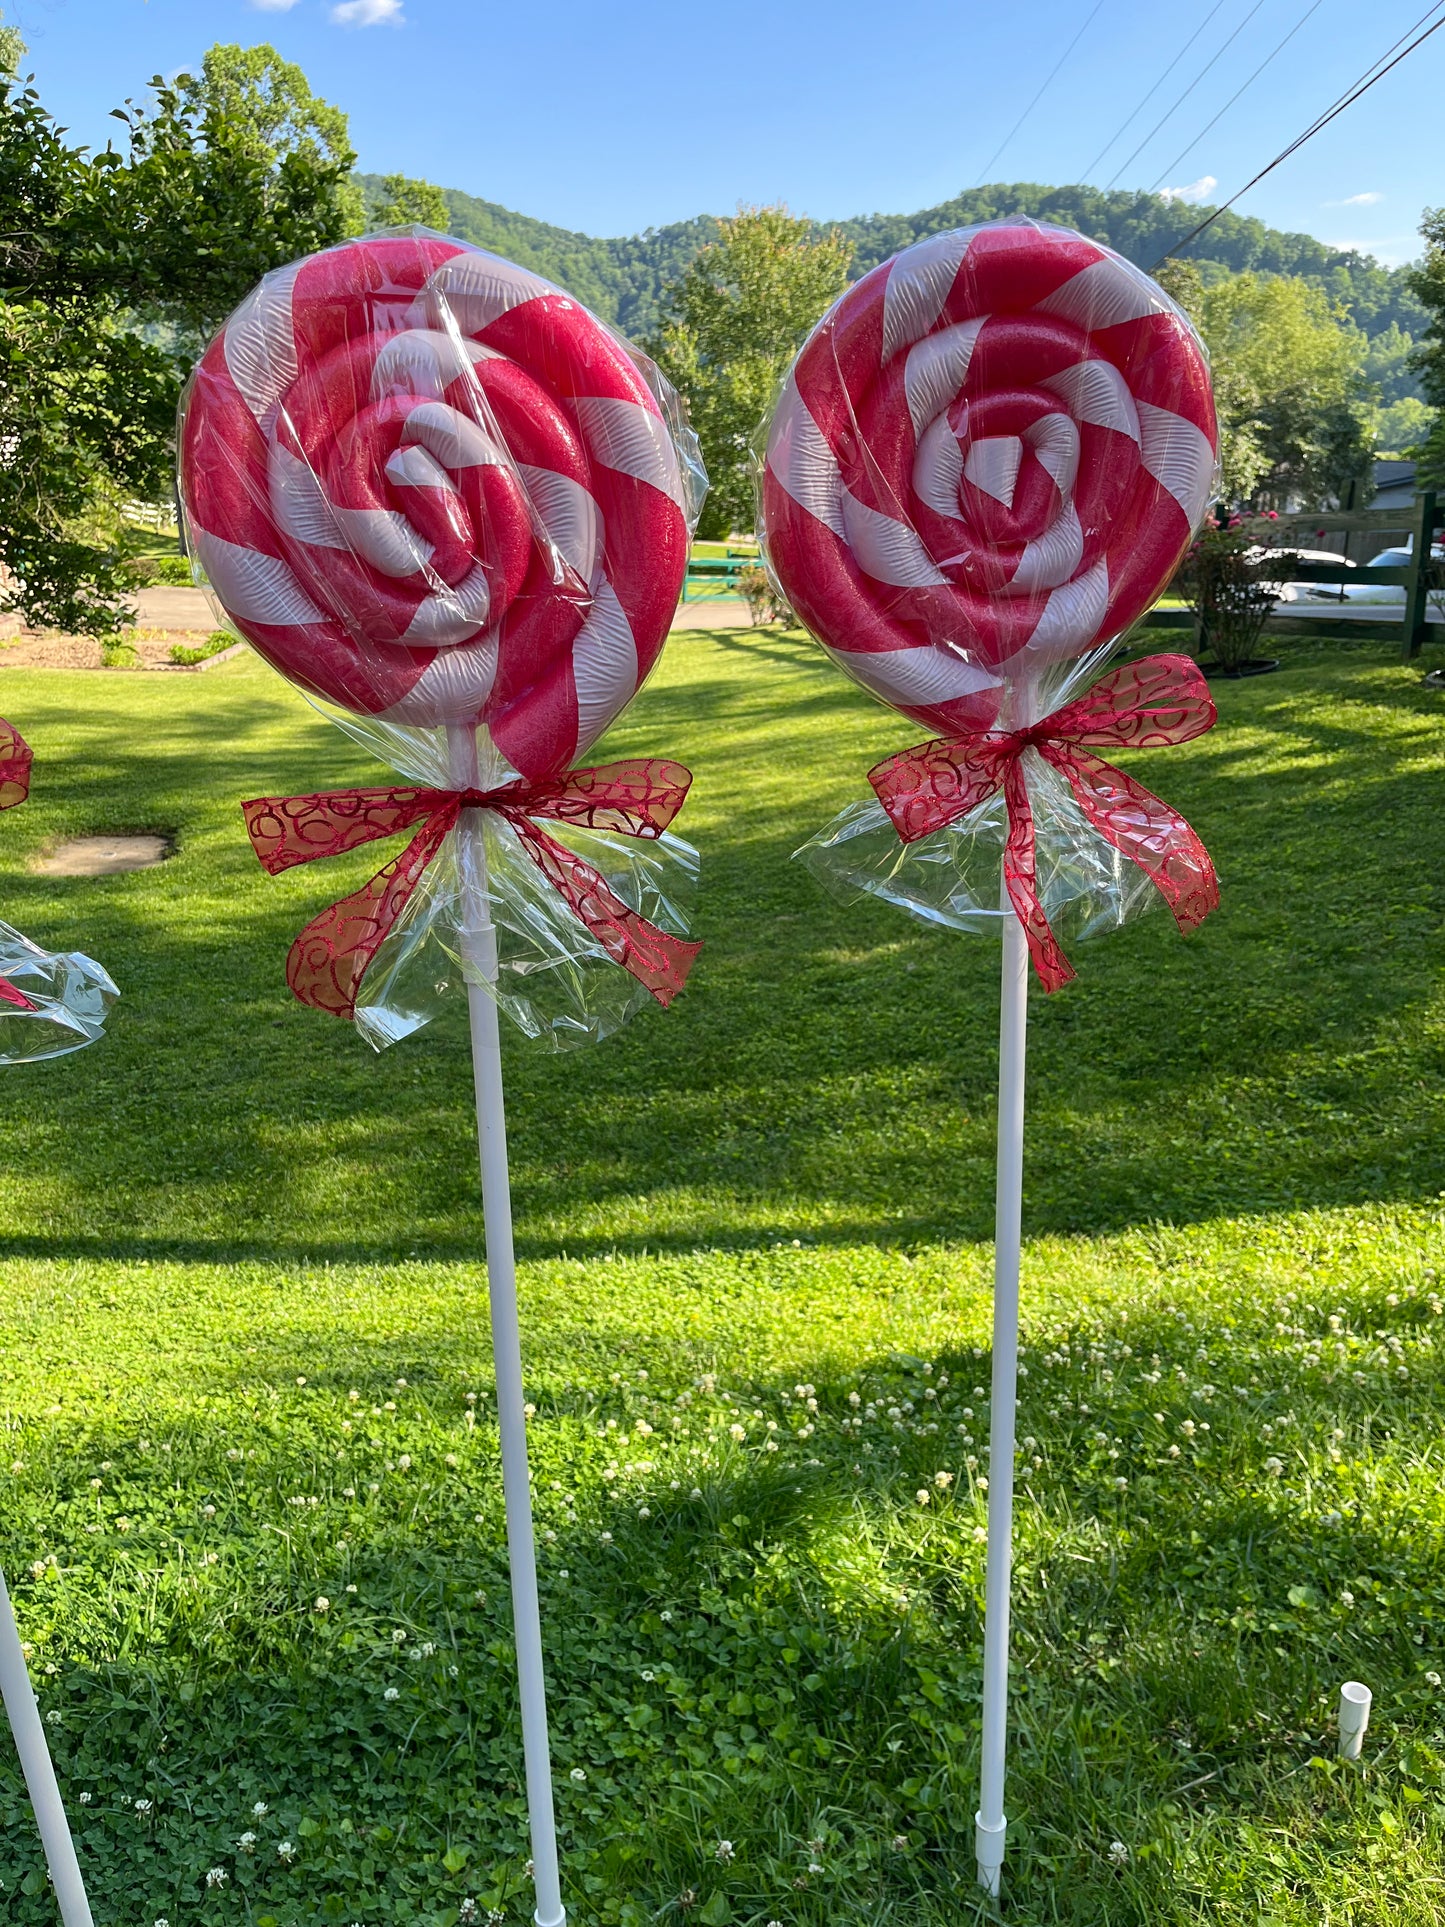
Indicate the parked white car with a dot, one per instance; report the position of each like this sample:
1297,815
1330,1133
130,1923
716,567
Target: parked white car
1359,589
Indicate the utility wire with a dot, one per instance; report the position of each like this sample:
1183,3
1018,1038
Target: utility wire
1278,49
1052,77
1170,112
1119,132
1376,71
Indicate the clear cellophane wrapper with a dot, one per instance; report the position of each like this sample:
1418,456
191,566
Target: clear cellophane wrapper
69,995
554,980
950,878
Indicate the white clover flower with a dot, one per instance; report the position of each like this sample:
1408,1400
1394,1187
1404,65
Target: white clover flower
723,1851
577,1774
53,1719
1347,1599
529,1411
85,1799
737,1432
162,1922
606,1538
37,1569
1432,1679
260,1810
398,1637
323,1604
246,1843
216,1877
286,1852
1274,1467
452,1459
391,1693
921,1495
404,1462
143,1806
943,1480
1118,1853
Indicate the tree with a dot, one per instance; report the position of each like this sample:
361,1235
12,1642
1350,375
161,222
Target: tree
1296,416
406,203
1427,283
732,323
111,265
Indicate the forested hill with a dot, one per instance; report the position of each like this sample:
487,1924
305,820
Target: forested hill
623,278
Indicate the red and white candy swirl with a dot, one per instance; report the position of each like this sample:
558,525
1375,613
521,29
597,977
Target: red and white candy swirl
427,485
990,454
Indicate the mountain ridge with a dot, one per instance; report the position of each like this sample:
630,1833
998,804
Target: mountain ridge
622,277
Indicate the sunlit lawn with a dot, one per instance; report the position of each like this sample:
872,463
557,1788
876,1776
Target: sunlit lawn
243,1312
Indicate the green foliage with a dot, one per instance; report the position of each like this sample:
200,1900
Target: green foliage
12,49
111,266
1427,281
1291,390
188,657
781,1190
1403,425
403,202
732,324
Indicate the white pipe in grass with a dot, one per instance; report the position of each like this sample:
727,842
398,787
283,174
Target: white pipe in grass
1354,1717
479,948
991,1827
35,1763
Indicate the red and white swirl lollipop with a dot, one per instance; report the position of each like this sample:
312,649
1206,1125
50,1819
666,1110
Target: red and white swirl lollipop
429,486
990,454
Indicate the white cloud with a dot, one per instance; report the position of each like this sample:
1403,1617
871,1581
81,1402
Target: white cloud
1356,200
1194,193
368,13
273,6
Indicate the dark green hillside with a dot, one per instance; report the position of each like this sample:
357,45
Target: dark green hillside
622,278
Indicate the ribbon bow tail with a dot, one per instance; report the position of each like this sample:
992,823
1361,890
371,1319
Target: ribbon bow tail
330,957
656,958
1143,827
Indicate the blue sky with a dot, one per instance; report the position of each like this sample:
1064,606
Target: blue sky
610,120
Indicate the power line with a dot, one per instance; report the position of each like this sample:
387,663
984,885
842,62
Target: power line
1278,49
1171,111
1118,133
1376,71
1052,76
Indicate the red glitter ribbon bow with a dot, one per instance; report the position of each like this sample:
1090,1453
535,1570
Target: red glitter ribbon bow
15,760
1142,705
331,956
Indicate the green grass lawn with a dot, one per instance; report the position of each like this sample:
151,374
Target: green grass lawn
244,1360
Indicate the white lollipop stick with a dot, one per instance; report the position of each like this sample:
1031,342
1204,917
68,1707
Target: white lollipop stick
479,947
35,1762
990,1826
1354,1718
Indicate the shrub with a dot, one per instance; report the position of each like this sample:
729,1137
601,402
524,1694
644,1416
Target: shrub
764,603
1230,580
212,646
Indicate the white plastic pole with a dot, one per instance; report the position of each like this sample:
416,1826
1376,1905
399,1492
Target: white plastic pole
990,1826
35,1762
1354,1717
479,947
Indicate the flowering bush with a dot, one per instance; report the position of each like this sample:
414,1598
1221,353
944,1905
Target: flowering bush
1230,578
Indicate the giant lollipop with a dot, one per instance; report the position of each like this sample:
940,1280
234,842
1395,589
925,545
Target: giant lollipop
438,494
49,1006
985,465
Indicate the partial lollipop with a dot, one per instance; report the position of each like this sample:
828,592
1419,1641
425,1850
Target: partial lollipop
50,1003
